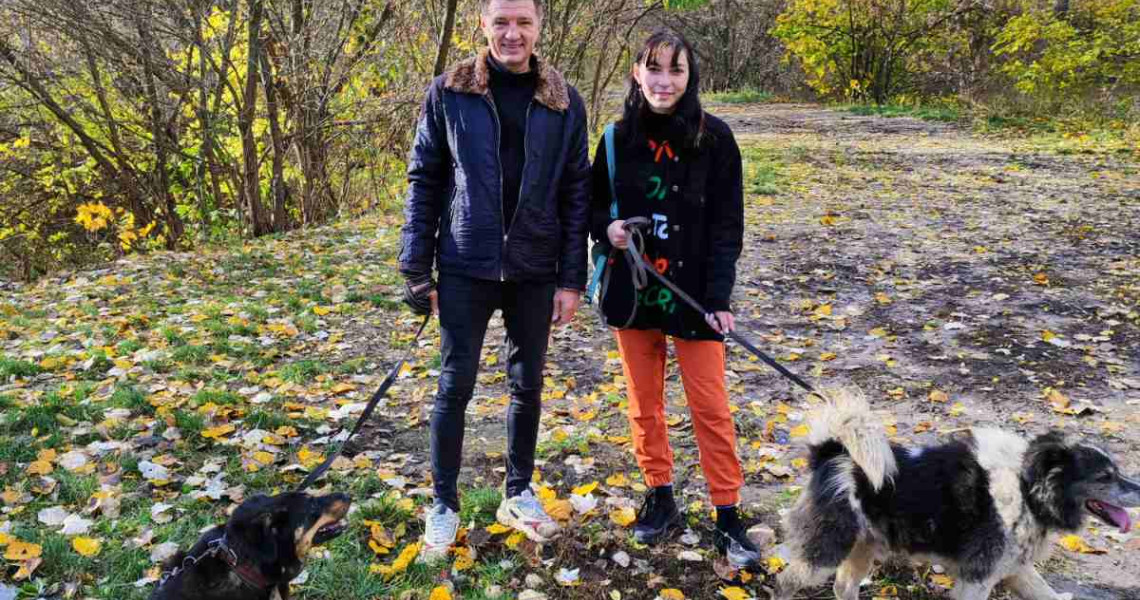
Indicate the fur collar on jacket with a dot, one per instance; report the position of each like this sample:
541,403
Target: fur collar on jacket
472,76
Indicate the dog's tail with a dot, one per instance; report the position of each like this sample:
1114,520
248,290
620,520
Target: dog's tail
847,419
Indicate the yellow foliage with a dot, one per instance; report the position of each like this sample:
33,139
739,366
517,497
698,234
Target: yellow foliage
86,546
93,216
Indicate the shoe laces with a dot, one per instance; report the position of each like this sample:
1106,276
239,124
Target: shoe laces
530,506
442,525
648,506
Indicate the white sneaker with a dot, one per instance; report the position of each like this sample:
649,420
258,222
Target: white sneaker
440,529
525,513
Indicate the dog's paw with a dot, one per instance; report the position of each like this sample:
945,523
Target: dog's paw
1065,596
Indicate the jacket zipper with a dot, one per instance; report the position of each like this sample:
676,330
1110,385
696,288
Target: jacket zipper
522,180
526,156
502,209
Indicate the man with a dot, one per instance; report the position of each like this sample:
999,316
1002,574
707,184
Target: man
499,198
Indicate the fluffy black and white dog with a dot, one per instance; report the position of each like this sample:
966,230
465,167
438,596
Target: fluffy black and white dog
985,506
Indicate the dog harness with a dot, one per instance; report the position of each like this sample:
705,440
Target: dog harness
248,573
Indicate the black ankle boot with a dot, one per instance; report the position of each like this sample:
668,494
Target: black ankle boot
731,540
658,514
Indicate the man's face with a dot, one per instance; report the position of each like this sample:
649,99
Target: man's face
512,28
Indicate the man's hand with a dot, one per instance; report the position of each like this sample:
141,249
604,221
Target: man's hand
721,321
565,305
422,296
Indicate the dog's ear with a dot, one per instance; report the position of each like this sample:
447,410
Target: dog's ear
252,530
1050,465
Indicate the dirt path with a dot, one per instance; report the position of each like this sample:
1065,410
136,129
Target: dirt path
904,257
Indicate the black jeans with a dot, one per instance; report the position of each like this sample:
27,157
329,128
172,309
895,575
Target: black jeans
465,308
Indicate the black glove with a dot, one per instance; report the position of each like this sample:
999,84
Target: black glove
417,294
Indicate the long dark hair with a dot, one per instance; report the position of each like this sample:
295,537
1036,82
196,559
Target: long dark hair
689,115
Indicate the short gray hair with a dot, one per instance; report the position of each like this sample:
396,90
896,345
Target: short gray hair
486,4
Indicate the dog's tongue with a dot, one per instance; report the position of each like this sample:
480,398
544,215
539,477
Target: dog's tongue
1118,515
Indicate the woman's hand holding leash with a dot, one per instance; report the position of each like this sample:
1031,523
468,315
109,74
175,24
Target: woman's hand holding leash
618,234
721,322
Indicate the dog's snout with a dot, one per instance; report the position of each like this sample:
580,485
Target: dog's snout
1131,491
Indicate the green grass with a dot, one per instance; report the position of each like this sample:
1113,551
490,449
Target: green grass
190,354
927,113
303,371
763,171
17,368
479,505
742,96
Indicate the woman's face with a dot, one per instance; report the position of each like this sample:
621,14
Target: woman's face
663,83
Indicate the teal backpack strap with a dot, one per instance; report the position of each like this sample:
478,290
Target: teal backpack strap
611,164
601,257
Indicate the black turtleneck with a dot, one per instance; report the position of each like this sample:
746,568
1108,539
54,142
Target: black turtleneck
512,93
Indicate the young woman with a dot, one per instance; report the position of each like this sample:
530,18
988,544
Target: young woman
680,168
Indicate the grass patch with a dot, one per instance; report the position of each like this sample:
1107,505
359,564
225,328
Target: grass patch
763,171
17,368
303,371
267,420
479,505
742,96
220,397
190,354
945,114
572,444
131,399
46,416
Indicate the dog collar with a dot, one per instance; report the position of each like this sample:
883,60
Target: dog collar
248,573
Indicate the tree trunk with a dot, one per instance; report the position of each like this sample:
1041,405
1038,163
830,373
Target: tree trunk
159,137
255,210
445,38
278,187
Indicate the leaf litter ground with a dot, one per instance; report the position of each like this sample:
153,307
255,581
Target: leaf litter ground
958,280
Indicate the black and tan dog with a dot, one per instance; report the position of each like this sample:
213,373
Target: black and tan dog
257,552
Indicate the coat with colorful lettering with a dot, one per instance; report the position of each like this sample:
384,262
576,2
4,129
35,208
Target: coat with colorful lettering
694,200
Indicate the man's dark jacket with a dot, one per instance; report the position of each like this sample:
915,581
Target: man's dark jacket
455,184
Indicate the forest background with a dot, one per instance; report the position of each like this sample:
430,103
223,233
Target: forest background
133,125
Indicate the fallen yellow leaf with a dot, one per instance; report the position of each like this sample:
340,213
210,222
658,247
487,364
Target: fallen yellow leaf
671,594
943,581
463,562
440,593
560,510
623,517
496,529
515,539
775,564
40,467
308,458
939,396
582,490
735,593
800,431
218,432
18,550
86,546
617,480
1074,543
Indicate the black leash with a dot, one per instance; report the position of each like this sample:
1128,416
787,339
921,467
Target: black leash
364,416
634,252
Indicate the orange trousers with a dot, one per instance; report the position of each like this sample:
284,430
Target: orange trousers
702,373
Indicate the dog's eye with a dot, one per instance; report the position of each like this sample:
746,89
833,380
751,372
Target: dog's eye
1105,477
